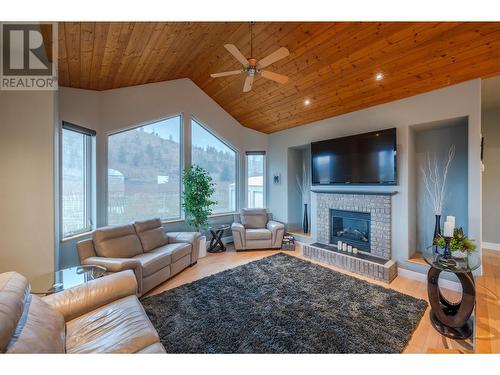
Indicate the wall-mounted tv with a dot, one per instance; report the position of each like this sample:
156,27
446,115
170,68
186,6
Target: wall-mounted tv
364,159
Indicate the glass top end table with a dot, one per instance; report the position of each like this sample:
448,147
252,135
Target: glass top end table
464,263
216,245
452,319
65,279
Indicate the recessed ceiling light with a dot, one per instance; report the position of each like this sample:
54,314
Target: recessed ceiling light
379,76
307,102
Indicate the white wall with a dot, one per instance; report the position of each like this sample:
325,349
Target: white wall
27,120
112,110
451,102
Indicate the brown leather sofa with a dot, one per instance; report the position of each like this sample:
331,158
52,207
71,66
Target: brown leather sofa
143,247
254,228
101,316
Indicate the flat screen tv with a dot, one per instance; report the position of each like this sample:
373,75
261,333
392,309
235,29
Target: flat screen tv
363,159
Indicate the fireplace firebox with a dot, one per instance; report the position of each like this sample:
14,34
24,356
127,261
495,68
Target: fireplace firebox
351,227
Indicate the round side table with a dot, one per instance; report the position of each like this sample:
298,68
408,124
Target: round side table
452,319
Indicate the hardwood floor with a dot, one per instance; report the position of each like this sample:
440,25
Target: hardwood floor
488,304
425,339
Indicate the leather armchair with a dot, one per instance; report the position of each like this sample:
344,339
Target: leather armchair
143,247
100,316
255,229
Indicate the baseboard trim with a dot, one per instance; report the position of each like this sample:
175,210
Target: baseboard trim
443,283
491,246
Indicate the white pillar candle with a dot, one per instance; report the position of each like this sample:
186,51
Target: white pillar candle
339,245
451,219
344,247
448,229
349,248
354,250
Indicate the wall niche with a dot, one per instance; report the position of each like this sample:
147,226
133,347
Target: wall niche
432,142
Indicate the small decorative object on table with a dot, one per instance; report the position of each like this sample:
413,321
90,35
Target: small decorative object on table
456,245
449,318
288,242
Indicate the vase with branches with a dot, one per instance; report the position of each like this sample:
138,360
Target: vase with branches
196,198
434,175
303,186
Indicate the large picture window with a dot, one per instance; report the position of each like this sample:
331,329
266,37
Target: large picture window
255,178
76,179
144,166
219,160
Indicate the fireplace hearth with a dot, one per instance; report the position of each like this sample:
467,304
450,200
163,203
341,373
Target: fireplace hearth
351,227
361,220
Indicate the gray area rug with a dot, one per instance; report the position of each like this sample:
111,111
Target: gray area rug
282,304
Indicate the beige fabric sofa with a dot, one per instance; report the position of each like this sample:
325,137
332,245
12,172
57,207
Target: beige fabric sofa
101,316
143,247
255,229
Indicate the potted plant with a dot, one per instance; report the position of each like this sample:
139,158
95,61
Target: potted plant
196,202
460,245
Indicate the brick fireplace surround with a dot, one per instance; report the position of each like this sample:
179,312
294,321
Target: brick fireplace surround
376,264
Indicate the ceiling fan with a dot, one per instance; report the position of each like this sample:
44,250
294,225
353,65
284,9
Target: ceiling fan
253,67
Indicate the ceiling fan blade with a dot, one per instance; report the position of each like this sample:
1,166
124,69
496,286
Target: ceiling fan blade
280,78
273,57
248,83
223,74
233,50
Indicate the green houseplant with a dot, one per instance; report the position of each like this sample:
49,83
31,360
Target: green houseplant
460,245
196,202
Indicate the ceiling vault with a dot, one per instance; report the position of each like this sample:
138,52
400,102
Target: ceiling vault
334,67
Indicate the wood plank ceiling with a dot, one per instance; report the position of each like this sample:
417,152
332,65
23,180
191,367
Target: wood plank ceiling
331,64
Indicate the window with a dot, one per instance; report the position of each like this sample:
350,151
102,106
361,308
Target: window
255,178
76,179
144,166
210,153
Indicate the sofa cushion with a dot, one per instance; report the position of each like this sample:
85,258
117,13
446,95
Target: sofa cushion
151,234
41,329
177,250
254,218
258,234
117,242
14,289
119,327
154,261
